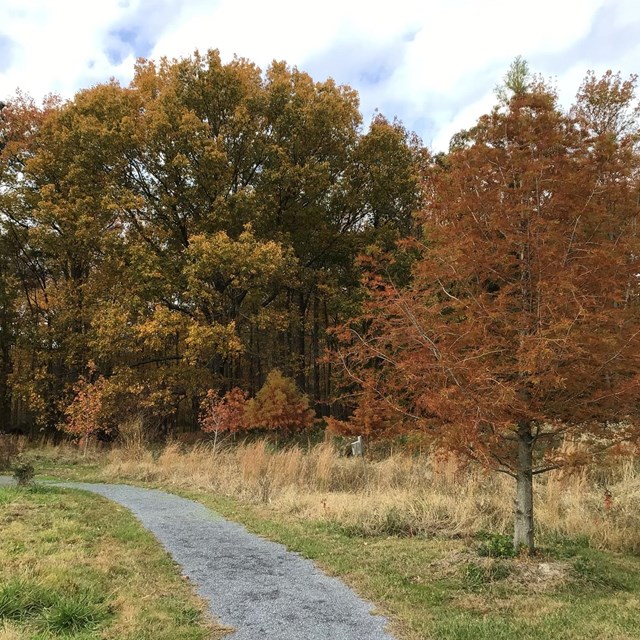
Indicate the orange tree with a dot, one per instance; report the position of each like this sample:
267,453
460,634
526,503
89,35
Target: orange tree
279,407
220,414
520,325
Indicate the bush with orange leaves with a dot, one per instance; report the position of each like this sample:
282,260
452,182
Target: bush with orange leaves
373,417
280,407
84,416
224,413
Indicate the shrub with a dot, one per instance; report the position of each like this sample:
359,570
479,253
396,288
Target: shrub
279,406
84,415
24,474
226,413
496,545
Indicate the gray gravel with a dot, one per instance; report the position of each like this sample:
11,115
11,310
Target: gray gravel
253,585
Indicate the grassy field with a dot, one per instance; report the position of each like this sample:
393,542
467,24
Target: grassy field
423,538
76,566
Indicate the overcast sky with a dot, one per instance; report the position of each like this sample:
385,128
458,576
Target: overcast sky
432,63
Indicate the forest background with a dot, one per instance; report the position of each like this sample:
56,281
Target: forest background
194,230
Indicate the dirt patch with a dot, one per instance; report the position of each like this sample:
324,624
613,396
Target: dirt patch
541,577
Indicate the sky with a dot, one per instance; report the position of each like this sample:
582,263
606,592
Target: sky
433,64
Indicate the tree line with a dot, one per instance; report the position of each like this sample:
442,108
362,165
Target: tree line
193,230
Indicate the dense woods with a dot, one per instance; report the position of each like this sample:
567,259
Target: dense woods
194,230
215,246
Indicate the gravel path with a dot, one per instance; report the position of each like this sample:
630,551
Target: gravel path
255,586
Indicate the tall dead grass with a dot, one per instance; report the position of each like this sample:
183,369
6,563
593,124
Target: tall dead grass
400,494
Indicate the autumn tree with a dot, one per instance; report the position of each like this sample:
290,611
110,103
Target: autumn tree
223,414
280,407
372,417
520,326
84,415
8,329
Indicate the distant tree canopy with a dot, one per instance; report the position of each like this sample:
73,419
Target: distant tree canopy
193,230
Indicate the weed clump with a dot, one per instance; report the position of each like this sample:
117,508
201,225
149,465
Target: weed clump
496,545
10,447
24,473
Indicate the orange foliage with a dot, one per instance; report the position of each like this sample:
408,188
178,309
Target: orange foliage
521,321
84,415
226,413
373,417
279,406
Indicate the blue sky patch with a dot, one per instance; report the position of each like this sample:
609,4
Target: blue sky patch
7,47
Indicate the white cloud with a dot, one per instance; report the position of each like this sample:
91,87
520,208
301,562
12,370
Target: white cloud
56,45
433,63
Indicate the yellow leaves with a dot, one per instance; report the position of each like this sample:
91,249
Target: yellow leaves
219,265
180,161
279,406
243,261
161,324
112,329
203,342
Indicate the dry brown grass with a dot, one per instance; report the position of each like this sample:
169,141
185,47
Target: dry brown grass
400,494
8,631
11,446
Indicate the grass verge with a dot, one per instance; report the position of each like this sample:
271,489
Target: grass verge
76,566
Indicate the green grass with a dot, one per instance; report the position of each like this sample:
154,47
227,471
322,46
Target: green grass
454,589
76,566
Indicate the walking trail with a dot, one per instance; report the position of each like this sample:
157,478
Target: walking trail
255,586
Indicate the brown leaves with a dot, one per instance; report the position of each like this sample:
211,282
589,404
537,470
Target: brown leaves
519,308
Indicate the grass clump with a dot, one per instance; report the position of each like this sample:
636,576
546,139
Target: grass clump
21,599
24,474
73,614
476,576
52,610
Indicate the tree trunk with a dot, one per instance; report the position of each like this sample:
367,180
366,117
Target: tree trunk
523,526
300,358
315,350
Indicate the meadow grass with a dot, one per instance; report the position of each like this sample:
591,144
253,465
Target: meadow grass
423,537
398,494
76,566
